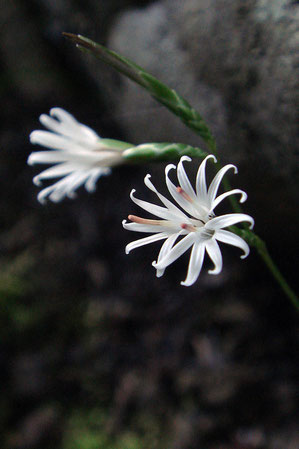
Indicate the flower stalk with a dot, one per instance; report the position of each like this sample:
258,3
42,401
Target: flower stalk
162,152
256,242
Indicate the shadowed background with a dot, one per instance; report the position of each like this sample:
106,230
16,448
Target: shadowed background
95,351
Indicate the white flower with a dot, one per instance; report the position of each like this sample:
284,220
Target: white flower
197,226
80,155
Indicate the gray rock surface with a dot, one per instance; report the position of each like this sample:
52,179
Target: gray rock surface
236,61
147,36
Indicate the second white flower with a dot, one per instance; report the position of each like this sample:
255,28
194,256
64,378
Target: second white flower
79,154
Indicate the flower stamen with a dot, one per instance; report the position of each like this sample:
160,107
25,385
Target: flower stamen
184,194
141,220
188,227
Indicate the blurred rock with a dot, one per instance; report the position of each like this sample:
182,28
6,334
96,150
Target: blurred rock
236,61
24,54
36,428
29,374
250,438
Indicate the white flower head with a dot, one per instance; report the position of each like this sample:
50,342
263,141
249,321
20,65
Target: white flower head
80,155
191,225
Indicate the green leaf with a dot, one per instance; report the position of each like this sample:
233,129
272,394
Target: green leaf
158,90
120,63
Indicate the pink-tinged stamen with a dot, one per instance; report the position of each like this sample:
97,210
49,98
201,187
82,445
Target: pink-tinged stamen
140,220
188,227
184,194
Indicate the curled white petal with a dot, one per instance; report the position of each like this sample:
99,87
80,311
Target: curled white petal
170,206
195,263
68,126
47,157
165,248
145,241
201,184
138,227
94,175
176,251
223,221
214,252
182,201
55,172
226,194
214,186
54,141
159,211
232,239
183,178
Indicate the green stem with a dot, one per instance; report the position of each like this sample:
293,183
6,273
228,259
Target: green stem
255,241
264,254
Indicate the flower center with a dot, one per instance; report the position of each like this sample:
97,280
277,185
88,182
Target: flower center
198,226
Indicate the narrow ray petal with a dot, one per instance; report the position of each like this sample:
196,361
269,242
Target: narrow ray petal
170,206
66,122
166,247
159,211
180,199
47,157
183,178
214,186
59,190
56,126
42,195
48,191
54,141
223,221
63,116
214,252
145,241
83,158
95,174
175,252
195,263
234,240
85,133
78,178
67,125
138,227
54,172
226,194
73,131
62,188
201,185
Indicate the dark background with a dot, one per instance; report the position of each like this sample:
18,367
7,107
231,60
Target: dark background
95,351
